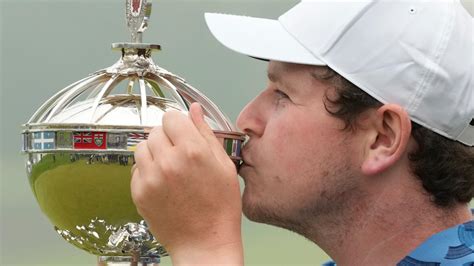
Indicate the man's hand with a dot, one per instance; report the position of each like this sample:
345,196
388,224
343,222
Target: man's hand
185,187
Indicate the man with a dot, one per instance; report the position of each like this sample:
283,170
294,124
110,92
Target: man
361,142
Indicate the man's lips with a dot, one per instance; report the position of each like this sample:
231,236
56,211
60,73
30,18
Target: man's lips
243,169
243,166
245,163
245,158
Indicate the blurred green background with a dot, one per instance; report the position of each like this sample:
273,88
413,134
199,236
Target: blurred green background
48,44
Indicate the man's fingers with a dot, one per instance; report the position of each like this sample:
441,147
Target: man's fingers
143,155
158,143
132,171
179,129
206,132
136,186
192,131
197,116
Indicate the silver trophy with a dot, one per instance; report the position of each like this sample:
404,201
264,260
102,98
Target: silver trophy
80,144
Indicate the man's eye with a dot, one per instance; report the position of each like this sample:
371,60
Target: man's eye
281,95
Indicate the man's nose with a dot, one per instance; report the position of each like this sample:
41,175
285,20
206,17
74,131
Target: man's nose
251,119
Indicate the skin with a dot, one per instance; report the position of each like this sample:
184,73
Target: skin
171,187
350,192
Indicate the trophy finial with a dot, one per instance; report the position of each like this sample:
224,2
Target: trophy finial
138,13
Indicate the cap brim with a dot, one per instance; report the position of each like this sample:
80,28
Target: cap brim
259,38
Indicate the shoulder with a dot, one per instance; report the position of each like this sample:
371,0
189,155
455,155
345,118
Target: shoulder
453,246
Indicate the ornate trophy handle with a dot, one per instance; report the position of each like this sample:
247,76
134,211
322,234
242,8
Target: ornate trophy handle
138,13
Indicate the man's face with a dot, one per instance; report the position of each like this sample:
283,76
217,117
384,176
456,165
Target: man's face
298,160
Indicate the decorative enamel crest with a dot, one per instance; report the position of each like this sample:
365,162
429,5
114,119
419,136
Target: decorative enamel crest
136,7
137,13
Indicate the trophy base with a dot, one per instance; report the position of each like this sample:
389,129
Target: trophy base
127,260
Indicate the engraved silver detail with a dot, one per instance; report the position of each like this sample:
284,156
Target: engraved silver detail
138,14
126,240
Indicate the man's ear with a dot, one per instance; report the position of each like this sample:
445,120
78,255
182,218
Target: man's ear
390,130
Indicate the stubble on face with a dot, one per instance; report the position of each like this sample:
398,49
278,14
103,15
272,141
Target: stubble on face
331,190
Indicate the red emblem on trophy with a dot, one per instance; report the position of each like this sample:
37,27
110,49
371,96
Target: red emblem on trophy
136,7
90,140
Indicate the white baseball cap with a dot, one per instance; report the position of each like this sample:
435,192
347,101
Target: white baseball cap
415,53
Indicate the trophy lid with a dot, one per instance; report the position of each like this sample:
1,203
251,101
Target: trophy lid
128,97
134,92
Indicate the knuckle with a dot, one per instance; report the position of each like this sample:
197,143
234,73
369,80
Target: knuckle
168,168
138,199
193,153
153,141
143,192
139,196
154,133
170,116
156,129
140,146
133,170
140,151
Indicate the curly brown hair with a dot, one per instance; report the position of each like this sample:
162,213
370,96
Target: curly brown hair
445,167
